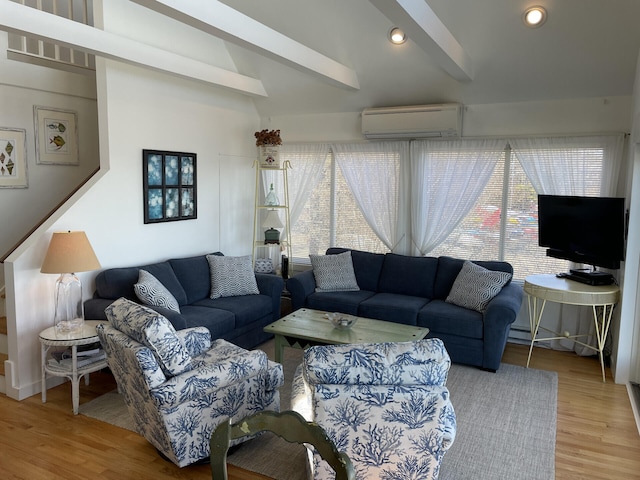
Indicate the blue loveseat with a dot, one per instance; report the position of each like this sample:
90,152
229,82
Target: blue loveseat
412,291
239,319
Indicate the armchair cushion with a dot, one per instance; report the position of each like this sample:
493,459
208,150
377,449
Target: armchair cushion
475,286
151,292
232,276
151,329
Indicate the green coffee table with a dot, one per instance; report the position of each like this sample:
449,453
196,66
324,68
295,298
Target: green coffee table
306,327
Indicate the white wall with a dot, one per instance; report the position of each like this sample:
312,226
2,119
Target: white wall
141,109
22,86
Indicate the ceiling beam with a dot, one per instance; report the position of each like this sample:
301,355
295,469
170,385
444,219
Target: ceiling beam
424,28
220,20
22,20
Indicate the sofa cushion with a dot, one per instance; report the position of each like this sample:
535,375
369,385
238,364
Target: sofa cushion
151,292
366,265
231,276
194,275
445,318
151,329
392,307
219,322
475,286
334,273
345,302
246,309
413,276
449,267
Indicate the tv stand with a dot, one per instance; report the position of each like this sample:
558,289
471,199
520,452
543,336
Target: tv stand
590,277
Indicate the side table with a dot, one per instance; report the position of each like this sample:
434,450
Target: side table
601,298
50,338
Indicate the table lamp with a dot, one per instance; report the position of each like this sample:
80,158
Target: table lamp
271,222
69,252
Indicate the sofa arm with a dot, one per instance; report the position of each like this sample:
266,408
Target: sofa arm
94,308
301,286
422,362
501,312
208,378
196,340
272,286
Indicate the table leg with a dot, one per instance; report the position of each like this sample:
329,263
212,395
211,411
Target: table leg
75,381
602,324
43,353
280,343
535,316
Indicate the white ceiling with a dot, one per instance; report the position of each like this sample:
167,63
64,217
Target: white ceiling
587,48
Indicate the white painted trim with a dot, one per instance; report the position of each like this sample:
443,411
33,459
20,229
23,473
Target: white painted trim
22,20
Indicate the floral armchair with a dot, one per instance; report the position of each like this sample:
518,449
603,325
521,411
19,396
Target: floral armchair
178,385
385,405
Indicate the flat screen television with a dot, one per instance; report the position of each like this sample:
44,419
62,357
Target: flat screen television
587,230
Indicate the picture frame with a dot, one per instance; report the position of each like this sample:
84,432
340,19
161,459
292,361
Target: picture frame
56,136
169,186
13,158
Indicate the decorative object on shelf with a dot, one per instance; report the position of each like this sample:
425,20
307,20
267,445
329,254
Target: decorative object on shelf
13,158
263,265
170,186
271,199
56,136
271,222
268,142
68,253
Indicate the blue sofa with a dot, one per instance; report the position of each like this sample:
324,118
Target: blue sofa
412,291
239,320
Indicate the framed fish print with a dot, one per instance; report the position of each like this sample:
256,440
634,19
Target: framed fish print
13,158
56,136
170,186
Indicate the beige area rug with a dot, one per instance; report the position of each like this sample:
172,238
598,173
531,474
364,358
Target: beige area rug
506,426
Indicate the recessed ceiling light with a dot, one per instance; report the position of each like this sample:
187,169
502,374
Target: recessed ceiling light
534,17
397,36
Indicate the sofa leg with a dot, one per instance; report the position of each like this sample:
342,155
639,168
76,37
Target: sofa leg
492,370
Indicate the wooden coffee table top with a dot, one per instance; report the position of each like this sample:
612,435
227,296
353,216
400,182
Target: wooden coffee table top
308,324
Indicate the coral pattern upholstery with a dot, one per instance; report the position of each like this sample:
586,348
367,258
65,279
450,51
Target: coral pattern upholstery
178,413
385,405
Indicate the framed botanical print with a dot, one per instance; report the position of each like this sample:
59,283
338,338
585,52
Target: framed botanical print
170,186
56,136
13,158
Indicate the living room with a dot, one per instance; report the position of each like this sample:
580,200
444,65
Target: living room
140,108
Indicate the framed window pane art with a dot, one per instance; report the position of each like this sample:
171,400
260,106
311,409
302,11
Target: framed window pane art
169,183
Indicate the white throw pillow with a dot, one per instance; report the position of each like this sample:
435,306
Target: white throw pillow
152,292
475,286
231,276
334,273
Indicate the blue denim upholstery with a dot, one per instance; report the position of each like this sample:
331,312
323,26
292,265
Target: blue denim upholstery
240,320
412,291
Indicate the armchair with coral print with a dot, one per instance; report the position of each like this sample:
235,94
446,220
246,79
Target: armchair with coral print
178,385
385,405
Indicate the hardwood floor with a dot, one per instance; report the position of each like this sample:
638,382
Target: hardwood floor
596,436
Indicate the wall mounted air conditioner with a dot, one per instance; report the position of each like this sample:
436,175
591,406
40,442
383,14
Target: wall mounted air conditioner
423,121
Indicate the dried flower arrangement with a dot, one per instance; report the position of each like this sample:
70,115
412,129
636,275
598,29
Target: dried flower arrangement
268,137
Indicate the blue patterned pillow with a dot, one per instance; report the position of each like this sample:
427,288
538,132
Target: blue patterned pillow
151,291
334,273
151,329
231,276
475,286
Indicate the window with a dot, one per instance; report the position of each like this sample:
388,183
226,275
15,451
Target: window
573,166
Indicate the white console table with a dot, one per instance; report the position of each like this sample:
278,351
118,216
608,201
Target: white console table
602,299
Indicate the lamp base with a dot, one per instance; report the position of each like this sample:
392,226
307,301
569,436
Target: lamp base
68,316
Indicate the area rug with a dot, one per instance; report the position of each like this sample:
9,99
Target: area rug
506,426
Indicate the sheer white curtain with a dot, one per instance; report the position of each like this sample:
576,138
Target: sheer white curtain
373,171
447,177
582,166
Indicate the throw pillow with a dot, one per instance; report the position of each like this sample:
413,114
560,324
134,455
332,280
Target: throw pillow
154,331
232,276
475,286
334,273
151,292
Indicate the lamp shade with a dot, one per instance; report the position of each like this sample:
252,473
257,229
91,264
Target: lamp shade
272,220
69,252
